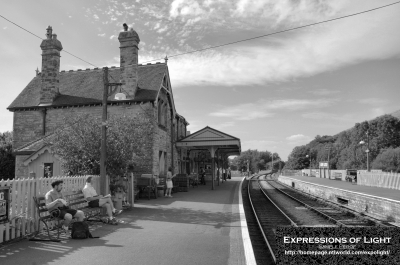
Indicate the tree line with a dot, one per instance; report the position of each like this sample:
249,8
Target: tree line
347,149
256,160
7,158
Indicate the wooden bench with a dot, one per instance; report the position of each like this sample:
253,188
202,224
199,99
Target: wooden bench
45,217
76,200
162,184
193,180
146,184
175,186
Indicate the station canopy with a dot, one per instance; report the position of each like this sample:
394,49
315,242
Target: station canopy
212,140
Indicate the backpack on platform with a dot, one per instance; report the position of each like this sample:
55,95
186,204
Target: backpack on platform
80,230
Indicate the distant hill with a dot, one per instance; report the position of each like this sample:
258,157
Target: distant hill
396,114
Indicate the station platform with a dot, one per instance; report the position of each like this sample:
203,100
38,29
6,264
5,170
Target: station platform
350,186
201,226
378,203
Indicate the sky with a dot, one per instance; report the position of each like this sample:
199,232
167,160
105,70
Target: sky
274,93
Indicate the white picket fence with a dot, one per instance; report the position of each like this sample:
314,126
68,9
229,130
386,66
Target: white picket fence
381,179
23,219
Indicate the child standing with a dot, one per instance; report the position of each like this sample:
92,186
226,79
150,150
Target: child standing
169,182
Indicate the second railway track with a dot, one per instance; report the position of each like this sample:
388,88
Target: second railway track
270,213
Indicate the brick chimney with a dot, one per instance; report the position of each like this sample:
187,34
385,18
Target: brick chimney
129,41
51,48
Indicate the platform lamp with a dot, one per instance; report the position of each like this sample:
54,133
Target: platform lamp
272,162
103,158
367,151
309,156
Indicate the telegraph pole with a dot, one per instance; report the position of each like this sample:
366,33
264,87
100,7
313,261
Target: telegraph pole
103,156
367,151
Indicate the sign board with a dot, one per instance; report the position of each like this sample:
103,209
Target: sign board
323,164
4,202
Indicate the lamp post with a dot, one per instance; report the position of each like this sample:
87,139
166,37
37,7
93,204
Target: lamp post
272,162
309,156
367,151
103,157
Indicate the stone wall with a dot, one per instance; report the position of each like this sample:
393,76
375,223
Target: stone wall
381,208
21,171
27,127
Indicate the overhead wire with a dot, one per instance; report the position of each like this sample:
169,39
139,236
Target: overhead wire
277,32
230,43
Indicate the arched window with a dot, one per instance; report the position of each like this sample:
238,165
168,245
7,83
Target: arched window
160,111
165,115
165,83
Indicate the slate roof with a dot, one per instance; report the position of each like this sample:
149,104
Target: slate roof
86,87
34,146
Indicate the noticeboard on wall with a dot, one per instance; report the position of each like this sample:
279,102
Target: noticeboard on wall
323,164
4,202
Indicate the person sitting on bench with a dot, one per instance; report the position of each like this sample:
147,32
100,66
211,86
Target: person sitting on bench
56,200
99,201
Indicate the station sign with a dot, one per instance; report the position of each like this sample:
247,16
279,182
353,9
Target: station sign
4,202
323,164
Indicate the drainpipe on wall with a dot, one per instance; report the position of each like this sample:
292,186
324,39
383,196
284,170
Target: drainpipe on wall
172,143
44,112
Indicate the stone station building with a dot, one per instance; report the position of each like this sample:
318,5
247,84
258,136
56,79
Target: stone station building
53,95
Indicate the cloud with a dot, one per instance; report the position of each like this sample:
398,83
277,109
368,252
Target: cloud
161,30
223,125
298,138
156,26
186,8
260,145
112,37
241,113
329,116
195,125
323,92
300,53
377,112
267,108
373,101
101,35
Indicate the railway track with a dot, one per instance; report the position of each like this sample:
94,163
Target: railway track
267,214
333,213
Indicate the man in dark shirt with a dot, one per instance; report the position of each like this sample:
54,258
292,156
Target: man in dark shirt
55,199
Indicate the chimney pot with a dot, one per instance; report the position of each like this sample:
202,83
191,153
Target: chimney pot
129,41
51,48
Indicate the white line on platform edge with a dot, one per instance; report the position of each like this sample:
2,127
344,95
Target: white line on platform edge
248,248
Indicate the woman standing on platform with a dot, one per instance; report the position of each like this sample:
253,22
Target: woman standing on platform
169,183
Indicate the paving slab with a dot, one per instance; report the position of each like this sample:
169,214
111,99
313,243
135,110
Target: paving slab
201,226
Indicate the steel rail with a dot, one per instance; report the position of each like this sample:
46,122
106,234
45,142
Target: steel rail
377,221
311,208
258,221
